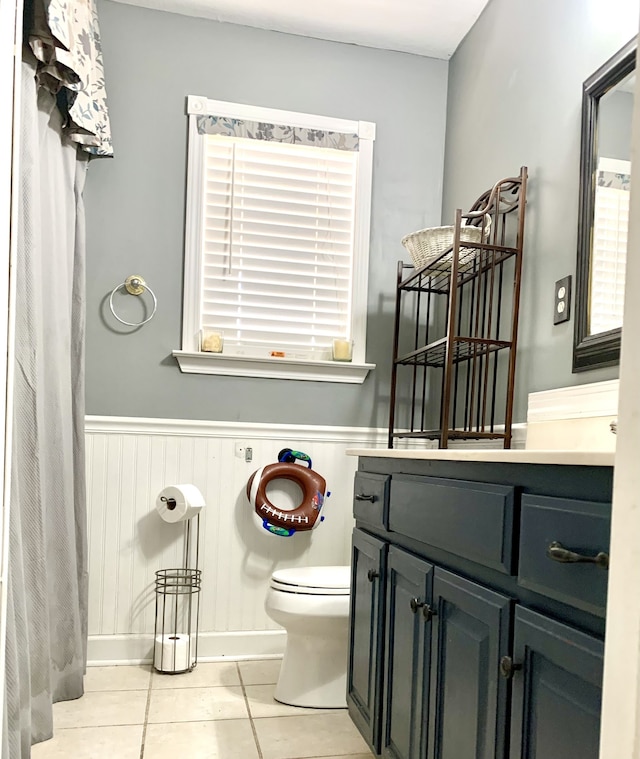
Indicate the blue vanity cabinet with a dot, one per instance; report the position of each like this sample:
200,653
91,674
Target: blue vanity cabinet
407,655
478,608
468,698
557,690
366,634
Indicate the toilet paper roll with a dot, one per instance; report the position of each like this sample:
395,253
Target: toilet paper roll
172,653
179,502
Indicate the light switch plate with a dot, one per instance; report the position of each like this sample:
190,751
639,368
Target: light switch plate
562,301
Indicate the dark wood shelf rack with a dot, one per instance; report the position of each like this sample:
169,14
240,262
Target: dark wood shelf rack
456,328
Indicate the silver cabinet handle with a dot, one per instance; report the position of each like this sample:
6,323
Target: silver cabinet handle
428,612
416,604
557,552
508,667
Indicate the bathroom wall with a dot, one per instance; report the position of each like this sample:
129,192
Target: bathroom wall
129,461
151,425
508,105
614,126
136,202
515,93
514,98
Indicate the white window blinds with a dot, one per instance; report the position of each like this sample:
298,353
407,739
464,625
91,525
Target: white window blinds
609,257
278,245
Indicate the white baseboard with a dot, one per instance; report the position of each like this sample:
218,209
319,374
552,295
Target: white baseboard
104,650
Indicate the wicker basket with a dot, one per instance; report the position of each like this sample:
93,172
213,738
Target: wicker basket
427,244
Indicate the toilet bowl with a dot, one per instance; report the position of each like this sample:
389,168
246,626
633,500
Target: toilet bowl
312,604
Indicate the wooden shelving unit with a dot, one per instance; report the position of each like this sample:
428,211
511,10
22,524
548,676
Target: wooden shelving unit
456,329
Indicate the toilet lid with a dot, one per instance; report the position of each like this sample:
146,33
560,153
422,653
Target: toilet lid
321,581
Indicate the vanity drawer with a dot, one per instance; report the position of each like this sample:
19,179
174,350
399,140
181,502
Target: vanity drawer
581,527
371,498
469,519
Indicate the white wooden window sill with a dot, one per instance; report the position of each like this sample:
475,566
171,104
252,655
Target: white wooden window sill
272,368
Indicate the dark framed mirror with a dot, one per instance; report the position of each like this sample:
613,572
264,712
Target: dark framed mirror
603,214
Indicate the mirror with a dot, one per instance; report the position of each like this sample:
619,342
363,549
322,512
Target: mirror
603,215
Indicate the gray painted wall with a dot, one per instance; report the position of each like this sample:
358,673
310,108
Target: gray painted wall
615,114
515,91
135,202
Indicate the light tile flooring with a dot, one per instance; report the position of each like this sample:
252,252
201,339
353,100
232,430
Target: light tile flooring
219,711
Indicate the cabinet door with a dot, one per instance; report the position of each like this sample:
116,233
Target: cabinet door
364,673
468,698
407,636
557,693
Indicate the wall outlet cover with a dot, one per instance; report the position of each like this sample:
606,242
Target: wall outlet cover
562,301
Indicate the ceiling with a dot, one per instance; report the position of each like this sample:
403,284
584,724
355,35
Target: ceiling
425,27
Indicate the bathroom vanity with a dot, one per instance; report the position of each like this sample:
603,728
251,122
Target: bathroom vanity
479,583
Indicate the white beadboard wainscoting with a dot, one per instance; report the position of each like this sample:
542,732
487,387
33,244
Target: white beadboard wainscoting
576,418
129,461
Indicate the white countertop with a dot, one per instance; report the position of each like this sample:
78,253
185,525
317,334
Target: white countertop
568,458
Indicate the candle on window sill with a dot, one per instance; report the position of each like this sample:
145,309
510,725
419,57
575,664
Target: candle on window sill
342,350
211,342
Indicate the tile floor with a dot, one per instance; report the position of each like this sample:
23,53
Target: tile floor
219,711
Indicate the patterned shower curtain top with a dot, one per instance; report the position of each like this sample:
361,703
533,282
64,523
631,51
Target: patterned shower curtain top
65,38
257,130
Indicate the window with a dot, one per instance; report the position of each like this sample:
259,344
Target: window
277,241
609,257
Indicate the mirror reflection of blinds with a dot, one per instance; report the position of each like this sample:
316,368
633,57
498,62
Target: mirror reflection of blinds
277,243
611,222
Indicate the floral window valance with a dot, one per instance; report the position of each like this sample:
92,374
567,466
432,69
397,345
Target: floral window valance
65,38
615,180
257,130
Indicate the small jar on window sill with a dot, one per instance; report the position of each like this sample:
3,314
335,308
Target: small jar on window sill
211,341
342,350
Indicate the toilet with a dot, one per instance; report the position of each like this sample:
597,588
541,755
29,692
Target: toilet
312,604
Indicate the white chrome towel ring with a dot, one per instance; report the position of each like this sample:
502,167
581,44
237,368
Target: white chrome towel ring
134,285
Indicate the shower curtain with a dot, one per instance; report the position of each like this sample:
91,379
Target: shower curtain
46,629
47,594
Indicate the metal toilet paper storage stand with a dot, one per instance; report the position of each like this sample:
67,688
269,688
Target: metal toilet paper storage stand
177,619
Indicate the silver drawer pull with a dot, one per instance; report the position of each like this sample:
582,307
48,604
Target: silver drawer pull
508,667
428,612
363,497
557,552
416,604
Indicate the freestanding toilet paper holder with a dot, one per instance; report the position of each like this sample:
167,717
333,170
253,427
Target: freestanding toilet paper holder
178,609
